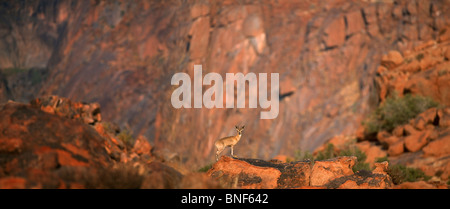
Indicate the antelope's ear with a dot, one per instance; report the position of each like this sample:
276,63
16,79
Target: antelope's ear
243,127
236,127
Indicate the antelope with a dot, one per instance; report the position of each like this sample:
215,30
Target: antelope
229,141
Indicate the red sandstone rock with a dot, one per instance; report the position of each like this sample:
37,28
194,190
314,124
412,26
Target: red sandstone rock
381,168
339,142
415,185
200,37
332,173
199,9
398,131
438,147
396,148
416,141
444,35
243,174
392,59
336,32
372,151
355,23
377,179
325,171
391,140
382,136
13,183
57,150
142,146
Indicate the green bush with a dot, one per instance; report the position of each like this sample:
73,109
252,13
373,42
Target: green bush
302,156
205,168
327,153
397,111
401,173
126,137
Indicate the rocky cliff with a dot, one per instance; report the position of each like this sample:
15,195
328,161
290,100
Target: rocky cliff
122,54
54,142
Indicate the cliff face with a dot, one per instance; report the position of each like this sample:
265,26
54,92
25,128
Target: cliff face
122,54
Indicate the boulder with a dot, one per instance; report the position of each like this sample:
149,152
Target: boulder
372,151
382,136
398,131
381,168
254,173
88,113
362,180
142,146
396,148
326,170
240,173
438,147
416,141
392,59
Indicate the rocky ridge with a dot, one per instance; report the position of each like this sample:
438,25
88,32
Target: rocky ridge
334,173
56,143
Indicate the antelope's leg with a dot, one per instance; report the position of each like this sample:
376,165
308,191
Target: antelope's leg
218,153
232,154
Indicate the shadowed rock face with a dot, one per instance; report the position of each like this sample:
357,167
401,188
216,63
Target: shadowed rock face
123,54
41,148
57,143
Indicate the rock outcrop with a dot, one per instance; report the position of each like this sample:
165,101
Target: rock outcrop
422,71
422,142
56,143
332,173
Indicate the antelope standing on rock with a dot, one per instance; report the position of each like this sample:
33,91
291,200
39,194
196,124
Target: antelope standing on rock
229,141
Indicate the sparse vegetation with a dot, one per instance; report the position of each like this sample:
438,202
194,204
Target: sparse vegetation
443,72
401,173
397,111
329,152
301,156
419,57
126,137
12,71
205,168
